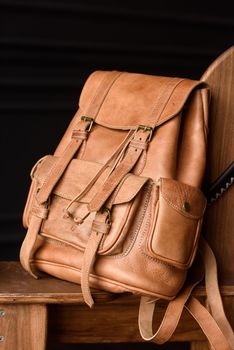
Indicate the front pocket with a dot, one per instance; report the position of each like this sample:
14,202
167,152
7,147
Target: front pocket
75,228
177,223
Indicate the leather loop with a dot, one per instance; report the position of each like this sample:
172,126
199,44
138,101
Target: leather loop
40,211
79,134
210,328
101,227
172,314
138,144
214,299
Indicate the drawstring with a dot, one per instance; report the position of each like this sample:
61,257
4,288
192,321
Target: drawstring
120,156
119,153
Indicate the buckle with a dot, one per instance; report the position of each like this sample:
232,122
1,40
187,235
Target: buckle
107,210
89,120
146,128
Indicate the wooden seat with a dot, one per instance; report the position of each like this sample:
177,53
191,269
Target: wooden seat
48,310
34,313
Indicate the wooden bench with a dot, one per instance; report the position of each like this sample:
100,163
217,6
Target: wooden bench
34,313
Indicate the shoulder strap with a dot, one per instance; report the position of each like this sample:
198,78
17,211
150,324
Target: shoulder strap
215,324
214,299
215,336
173,311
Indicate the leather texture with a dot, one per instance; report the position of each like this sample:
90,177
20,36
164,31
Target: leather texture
119,206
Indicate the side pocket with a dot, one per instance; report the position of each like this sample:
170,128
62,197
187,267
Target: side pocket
35,184
177,223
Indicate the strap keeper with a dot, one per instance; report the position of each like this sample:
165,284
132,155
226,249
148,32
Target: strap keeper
80,134
40,212
139,144
101,227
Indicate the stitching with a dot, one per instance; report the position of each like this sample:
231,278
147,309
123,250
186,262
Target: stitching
101,278
190,216
134,236
106,92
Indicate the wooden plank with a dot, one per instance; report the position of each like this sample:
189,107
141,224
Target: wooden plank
23,327
116,322
199,345
219,221
111,322
17,286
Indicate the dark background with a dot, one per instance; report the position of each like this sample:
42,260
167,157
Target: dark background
48,49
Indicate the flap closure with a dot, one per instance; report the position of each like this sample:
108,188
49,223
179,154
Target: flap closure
137,99
187,200
78,175
129,187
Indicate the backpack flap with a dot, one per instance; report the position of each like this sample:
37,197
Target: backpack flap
135,99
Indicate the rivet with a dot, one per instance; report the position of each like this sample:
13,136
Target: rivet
2,338
186,206
2,313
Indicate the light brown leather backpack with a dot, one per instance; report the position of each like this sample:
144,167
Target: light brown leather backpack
119,205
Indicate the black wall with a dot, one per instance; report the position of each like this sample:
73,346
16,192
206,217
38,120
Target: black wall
48,49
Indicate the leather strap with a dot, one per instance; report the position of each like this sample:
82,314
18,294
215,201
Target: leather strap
128,162
214,299
100,227
114,157
136,147
28,247
215,325
173,311
75,143
61,164
210,328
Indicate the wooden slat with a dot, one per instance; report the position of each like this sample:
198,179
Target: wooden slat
219,221
113,322
113,319
199,345
23,327
17,286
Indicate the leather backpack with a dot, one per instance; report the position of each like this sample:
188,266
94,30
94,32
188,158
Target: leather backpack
119,205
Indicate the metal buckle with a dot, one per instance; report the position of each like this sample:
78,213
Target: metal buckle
88,119
146,128
107,210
